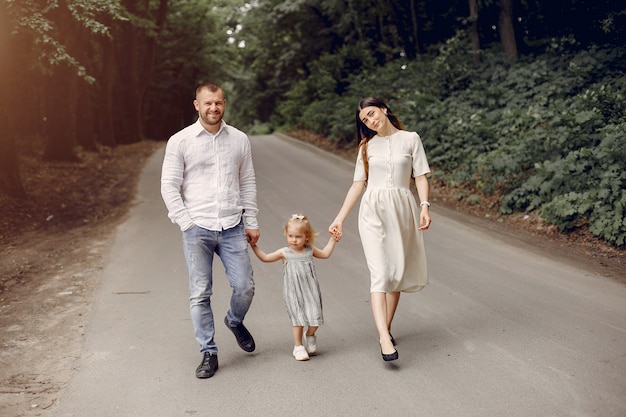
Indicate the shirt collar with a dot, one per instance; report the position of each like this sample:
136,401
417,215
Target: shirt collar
198,129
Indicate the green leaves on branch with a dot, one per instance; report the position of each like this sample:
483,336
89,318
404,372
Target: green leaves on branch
546,134
52,26
587,187
545,137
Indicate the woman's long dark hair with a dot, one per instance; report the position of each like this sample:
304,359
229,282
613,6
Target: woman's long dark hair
364,134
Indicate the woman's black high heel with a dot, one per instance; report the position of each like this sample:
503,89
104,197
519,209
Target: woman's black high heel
389,357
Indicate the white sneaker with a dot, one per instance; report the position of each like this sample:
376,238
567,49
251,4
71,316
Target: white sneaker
311,344
299,352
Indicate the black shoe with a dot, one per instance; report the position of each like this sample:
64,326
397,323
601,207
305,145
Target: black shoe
393,341
208,366
389,357
243,336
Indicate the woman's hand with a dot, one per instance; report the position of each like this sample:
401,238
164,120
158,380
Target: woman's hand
421,183
336,230
424,218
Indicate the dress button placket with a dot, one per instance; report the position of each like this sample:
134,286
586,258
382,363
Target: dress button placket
389,164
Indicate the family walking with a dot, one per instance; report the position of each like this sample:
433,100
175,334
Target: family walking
208,184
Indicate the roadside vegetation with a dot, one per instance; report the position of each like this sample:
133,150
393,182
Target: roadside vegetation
545,135
520,103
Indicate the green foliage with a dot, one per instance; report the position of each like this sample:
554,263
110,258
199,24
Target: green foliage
260,129
193,48
564,153
586,187
316,103
543,134
452,66
44,23
546,134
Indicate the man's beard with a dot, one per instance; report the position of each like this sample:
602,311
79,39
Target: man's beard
211,121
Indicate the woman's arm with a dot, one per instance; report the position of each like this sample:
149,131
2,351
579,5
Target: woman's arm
353,195
421,183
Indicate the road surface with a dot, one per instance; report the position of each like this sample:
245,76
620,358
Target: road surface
500,331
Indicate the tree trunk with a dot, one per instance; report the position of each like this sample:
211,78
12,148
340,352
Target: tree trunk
126,107
104,86
84,101
61,92
402,26
415,26
86,132
138,53
474,37
11,49
61,116
10,179
149,62
506,29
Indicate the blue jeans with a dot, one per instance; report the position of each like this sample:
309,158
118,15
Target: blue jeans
231,246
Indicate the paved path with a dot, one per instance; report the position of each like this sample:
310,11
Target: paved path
500,331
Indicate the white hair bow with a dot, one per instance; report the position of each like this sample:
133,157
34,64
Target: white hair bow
297,216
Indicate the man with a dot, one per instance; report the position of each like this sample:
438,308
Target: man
209,187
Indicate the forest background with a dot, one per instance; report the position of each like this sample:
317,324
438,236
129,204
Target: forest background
520,103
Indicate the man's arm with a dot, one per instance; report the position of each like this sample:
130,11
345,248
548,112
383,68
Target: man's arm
171,183
248,193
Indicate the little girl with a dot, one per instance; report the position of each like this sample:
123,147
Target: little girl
301,290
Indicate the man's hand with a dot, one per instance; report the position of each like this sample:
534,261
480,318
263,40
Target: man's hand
252,236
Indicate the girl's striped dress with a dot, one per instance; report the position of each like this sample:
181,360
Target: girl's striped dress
301,290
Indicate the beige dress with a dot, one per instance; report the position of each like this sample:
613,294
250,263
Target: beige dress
389,215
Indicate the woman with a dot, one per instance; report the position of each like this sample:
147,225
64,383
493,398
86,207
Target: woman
390,220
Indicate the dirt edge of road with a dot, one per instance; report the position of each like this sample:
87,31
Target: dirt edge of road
54,245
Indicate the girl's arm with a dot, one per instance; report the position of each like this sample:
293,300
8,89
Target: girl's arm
421,183
268,257
353,195
327,251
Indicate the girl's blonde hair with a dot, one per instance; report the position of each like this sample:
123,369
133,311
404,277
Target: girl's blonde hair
302,221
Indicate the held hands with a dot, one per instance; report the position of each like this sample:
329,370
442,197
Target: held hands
252,236
336,230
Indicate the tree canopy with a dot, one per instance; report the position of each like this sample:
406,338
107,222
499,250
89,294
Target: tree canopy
92,74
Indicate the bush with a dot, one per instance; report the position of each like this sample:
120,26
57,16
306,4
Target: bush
546,134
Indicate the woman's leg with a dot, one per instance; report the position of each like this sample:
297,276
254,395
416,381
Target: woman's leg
392,303
379,309
311,330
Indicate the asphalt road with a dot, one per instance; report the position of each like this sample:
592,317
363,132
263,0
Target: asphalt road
500,331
